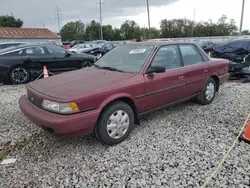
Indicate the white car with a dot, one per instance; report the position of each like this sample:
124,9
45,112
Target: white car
79,48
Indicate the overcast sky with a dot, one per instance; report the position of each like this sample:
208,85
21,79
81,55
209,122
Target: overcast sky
34,13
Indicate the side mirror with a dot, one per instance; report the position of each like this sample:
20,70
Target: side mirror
155,69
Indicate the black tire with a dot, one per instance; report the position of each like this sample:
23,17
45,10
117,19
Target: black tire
101,130
19,75
86,63
202,98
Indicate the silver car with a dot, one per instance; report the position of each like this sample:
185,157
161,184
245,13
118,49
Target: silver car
79,48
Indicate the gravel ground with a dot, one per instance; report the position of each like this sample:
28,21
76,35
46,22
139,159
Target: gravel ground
176,147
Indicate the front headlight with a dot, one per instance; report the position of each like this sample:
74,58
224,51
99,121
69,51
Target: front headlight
62,108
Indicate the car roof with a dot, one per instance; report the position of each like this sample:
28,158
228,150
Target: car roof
157,43
12,42
14,48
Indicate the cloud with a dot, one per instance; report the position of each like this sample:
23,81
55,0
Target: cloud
34,13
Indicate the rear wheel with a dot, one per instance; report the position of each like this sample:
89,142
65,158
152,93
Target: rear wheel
208,93
115,123
19,75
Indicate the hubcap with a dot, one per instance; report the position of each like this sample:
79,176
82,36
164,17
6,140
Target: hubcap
85,64
210,90
19,75
118,124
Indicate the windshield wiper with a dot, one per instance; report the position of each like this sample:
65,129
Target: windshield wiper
96,66
111,69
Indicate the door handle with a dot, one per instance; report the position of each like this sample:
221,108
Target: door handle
181,77
205,71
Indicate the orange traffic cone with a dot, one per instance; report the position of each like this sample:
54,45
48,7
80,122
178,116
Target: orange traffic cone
45,72
245,136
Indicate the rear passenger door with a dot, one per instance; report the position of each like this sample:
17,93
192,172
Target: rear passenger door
195,67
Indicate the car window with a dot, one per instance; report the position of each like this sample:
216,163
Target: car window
33,51
87,46
190,54
56,51
127,58
168,57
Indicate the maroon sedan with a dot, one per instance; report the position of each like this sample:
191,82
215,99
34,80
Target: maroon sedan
128,82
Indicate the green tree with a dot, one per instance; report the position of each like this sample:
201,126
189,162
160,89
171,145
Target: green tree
187,28
10,21
108,32
74,30
154,33
245,32
130,30
92,30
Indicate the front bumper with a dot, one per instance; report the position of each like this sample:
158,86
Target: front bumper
65,125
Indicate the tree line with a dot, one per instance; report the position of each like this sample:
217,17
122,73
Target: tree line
129,30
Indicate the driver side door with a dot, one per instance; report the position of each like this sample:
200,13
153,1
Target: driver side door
168,87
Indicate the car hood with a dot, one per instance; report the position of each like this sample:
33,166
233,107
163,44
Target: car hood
79,83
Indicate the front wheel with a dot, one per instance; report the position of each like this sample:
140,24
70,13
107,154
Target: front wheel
19,75
115,123
86,63
208,93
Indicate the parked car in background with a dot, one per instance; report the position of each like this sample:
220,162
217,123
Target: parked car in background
205,45
238,53
80,48
73,43
100,49
10,44
25,63
159,39
130,81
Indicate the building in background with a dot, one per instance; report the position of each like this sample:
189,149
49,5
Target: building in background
28,35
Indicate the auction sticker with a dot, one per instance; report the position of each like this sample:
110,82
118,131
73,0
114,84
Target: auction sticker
137,51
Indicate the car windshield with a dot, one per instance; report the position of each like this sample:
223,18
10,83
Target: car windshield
97,45
75,46
126,58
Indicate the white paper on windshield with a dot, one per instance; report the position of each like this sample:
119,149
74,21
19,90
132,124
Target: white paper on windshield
137,51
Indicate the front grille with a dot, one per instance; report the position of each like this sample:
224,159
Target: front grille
35,101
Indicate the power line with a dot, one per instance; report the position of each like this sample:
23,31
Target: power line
100,3
58,15
149,34
242,15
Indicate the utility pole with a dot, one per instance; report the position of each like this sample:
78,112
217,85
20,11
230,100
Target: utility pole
100,3
43,24
193,21
58,15
242,15
149,34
